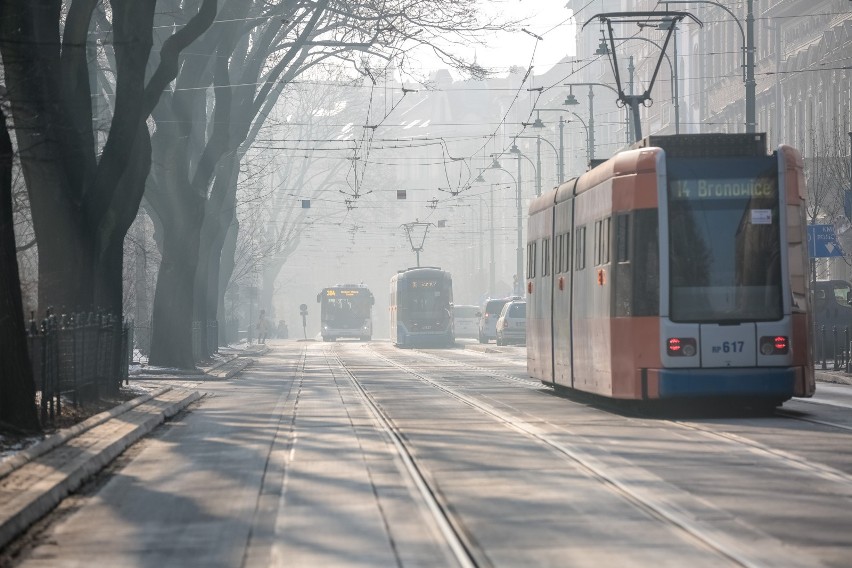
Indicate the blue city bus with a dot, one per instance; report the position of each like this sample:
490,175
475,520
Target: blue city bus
346,310
421,308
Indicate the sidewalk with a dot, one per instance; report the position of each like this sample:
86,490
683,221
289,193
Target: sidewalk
35,480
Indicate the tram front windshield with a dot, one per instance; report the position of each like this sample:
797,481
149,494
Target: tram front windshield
345,311
425,300
724,240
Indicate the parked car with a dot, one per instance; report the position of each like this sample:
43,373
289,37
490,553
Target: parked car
512,323
466,321
488,319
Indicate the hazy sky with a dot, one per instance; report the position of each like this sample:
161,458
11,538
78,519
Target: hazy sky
549,19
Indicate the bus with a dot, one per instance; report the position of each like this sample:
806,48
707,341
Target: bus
346,310
421,308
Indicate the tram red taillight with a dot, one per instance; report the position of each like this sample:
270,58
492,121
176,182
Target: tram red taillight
774,345
682,346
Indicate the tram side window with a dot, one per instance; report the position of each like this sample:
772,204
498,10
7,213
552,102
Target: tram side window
531,259
580,246
622,238
545,257
646,263
601,244
567,250
557,254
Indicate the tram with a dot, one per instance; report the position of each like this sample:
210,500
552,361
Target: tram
674,270
346,310
421,308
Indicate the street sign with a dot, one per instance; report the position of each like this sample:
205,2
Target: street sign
303,311
822,242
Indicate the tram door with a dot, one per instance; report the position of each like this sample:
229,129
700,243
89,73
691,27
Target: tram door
562,289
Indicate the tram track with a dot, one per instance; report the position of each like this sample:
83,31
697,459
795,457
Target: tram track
466,553
666,511
796,462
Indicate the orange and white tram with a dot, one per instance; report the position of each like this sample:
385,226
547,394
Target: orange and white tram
675,269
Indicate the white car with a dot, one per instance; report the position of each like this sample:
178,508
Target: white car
488,320
512,323
466,321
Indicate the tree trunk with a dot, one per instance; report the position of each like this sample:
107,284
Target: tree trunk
226,270
17,389
171,341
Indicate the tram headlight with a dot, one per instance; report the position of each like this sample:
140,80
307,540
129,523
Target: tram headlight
682,347
774,345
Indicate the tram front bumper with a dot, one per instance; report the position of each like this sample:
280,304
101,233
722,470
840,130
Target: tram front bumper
742,382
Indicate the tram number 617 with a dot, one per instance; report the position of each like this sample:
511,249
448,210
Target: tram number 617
729,347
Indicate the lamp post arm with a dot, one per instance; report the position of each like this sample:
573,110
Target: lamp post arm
549,143
725,8
613,89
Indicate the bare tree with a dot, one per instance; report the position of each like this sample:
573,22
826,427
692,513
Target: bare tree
84,194
222,98
827,172
17,389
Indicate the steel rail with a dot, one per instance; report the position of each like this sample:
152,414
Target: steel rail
792,416
462,550
796,462
654,508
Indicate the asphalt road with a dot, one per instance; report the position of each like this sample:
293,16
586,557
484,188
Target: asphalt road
360,454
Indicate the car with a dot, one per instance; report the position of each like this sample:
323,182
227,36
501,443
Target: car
488,319
466,321
512,323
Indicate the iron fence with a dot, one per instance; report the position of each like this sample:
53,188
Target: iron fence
832,348
80,357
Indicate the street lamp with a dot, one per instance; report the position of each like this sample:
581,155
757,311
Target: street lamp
561,155
590,134
539,124
480,179
748,54
519,252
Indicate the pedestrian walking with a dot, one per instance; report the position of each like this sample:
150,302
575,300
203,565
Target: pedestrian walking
262,327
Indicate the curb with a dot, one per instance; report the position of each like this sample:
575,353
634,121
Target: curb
241,364
481,348
50,498
23,457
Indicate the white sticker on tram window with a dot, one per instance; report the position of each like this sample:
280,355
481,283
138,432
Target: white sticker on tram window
761,216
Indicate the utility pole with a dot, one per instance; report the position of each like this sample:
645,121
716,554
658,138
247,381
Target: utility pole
491,241
676,86
561,150
590,135
750,84
519,253
631,125
538,166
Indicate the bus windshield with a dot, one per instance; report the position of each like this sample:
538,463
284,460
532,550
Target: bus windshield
426,300
724,240
345,310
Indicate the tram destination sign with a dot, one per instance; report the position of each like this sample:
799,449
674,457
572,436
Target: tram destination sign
725,188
